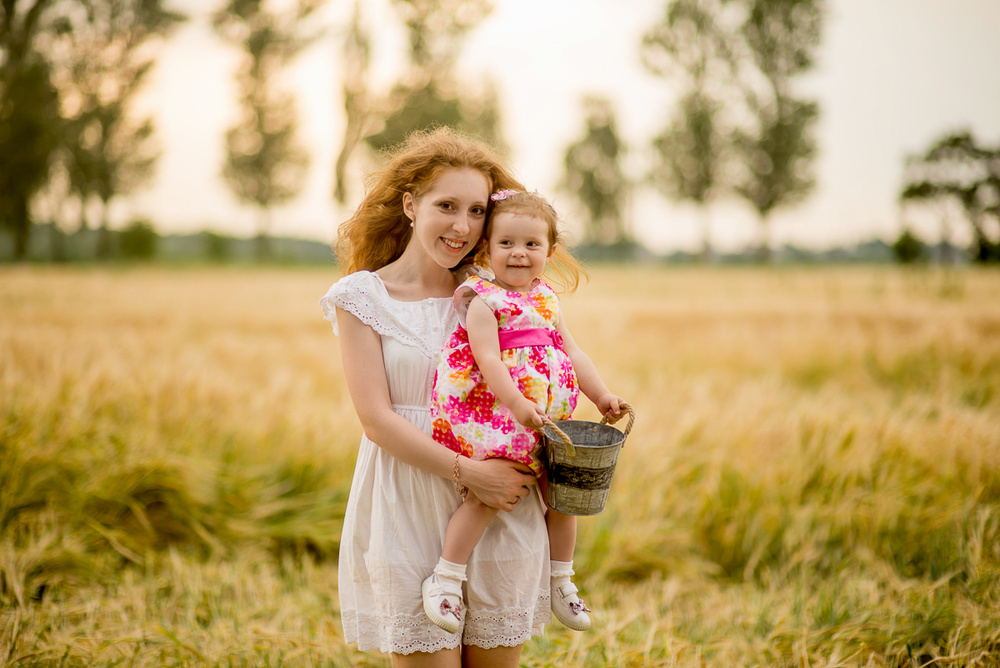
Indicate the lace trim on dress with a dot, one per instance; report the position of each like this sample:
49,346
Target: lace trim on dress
363,294
397,634
507,628
406,634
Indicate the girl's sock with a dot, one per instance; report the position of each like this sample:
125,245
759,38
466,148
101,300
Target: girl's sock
561,570
450,570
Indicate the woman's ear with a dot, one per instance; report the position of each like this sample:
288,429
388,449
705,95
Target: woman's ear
408,202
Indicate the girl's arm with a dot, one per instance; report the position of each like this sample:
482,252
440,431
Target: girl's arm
590,380
497,482
484,341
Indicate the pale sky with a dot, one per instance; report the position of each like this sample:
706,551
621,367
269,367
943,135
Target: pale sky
893,76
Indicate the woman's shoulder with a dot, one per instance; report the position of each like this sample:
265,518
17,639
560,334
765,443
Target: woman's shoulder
356,292
420,324
359,281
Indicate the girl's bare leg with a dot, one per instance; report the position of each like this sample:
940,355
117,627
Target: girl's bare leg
561,528
465,529
562,535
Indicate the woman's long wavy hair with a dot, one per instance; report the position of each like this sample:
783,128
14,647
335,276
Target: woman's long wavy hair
378,232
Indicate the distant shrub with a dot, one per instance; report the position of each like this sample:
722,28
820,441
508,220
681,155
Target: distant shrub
217,247
908,249
138,241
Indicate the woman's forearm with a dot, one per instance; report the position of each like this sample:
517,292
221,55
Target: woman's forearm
495,481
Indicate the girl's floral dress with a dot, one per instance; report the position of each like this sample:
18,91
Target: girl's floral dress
467,417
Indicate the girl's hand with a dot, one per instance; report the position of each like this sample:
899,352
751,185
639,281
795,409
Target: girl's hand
610,406
499,483
529,414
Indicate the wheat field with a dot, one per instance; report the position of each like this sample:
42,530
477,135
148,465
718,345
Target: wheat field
813,478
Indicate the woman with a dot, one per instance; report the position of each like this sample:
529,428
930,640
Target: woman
419,219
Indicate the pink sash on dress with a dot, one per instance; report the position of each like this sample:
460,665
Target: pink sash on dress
526,338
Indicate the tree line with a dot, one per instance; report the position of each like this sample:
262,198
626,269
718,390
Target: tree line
70,141
69,70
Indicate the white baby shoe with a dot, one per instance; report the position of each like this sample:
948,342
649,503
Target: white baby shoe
443,602
567,606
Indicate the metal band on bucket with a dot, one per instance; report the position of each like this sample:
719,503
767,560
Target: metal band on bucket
580,478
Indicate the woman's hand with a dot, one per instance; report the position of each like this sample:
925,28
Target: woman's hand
499,483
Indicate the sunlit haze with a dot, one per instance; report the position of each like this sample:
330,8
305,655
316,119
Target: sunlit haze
893,76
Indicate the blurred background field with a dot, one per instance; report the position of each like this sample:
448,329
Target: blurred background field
813,478
814,475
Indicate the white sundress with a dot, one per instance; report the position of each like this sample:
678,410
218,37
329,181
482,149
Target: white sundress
397,514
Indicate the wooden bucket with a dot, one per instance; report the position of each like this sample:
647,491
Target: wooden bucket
580,463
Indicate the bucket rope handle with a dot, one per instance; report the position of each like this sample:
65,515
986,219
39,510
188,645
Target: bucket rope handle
631,418
561,435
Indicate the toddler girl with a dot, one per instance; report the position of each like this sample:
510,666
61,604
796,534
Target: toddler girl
510,362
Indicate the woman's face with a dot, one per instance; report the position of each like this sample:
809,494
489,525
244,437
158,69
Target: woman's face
448,218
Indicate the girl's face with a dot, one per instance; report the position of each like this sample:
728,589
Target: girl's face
518,248
448,218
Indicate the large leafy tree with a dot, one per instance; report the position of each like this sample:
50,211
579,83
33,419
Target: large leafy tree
429,93
265,163
957,167
594,174
692,47
109,152
27,142
776,143
357,98
68,72
30,123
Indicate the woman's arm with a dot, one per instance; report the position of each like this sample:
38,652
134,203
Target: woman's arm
497,482
588,377
484,340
